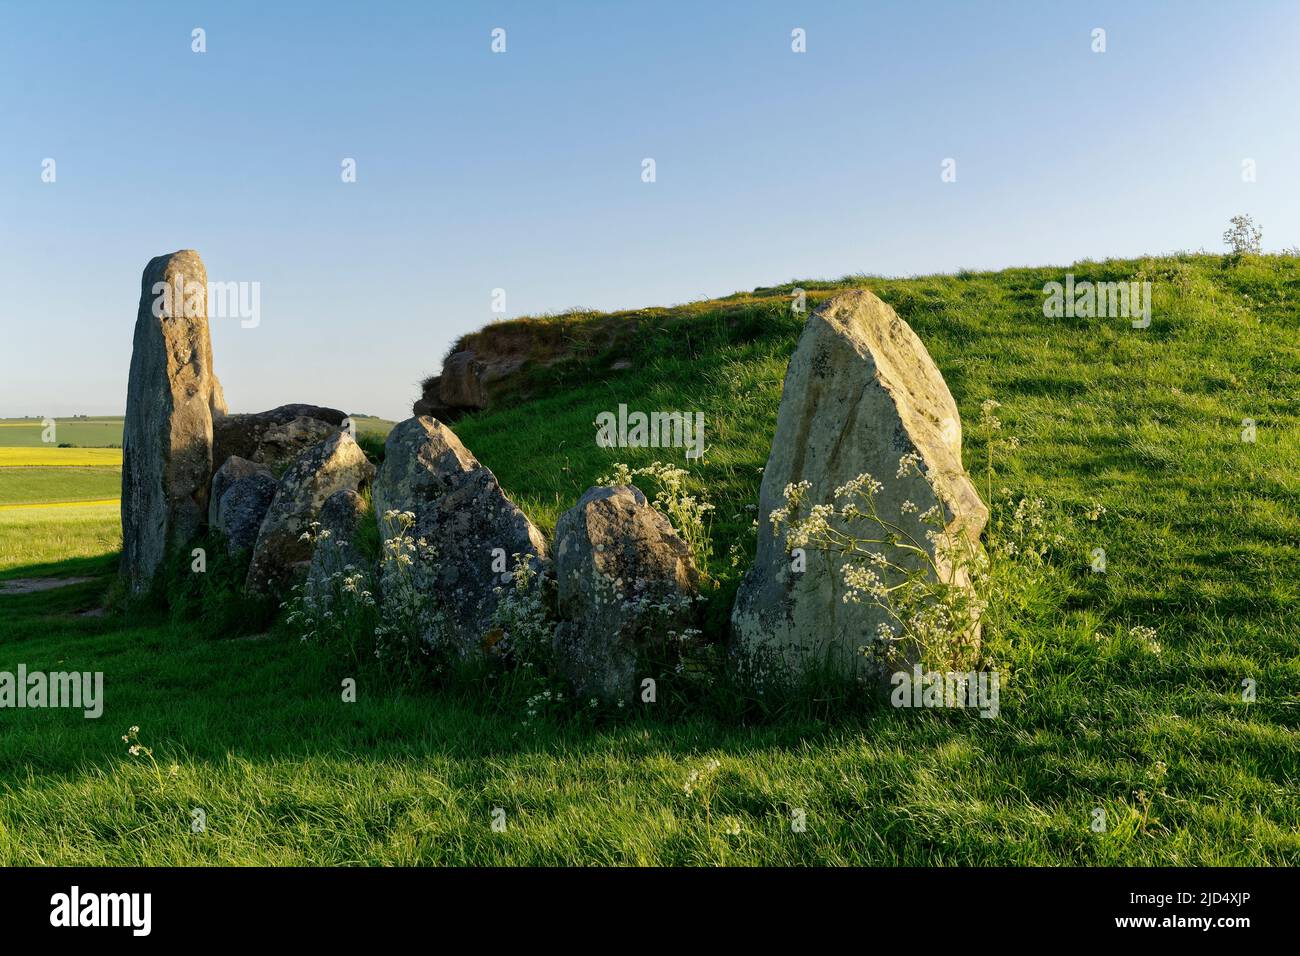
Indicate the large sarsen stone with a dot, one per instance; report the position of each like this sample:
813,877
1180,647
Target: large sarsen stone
860,393
172,393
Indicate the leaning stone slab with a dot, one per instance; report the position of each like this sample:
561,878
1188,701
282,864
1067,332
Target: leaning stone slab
624,581
281,553
861,392
172,393
471,529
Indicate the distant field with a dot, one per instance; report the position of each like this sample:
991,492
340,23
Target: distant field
32,485
49,456
82,432
373,426
107,431
34,472
42,474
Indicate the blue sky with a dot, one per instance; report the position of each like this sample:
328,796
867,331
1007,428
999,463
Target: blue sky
522,170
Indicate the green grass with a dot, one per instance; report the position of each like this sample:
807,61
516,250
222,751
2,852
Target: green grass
55,539
38,484
1202,535
98,432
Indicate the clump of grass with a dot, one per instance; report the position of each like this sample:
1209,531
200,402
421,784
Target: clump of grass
211,602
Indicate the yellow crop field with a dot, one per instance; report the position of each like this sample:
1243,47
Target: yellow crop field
46,455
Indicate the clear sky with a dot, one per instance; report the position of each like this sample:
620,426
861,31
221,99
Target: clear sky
522,170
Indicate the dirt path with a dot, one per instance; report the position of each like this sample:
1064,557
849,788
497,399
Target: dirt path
32,585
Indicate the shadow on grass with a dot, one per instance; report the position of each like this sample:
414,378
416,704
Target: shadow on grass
99,565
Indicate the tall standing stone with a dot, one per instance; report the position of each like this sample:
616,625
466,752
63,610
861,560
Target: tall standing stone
172,394
861,392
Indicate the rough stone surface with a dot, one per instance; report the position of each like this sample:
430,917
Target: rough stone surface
429,405
233,469
474,375
618,564
275,437
861,391
218,403
281,444
460,384
172,393
458,390
241,494
335,464
462,514
242,508
336,547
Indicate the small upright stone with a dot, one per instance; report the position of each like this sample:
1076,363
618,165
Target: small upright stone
172,393
624,579
232,470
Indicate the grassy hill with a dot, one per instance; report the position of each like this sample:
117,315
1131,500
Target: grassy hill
1201,531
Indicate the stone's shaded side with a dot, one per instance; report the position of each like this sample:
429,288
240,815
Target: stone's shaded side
616,559
233,469
463,515
242,492
242,510
860,392
171,394
457,390
336,464
336,550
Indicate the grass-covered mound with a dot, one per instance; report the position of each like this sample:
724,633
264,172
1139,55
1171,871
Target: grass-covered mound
1202,536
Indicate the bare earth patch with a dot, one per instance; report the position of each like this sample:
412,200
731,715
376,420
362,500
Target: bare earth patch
32,585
